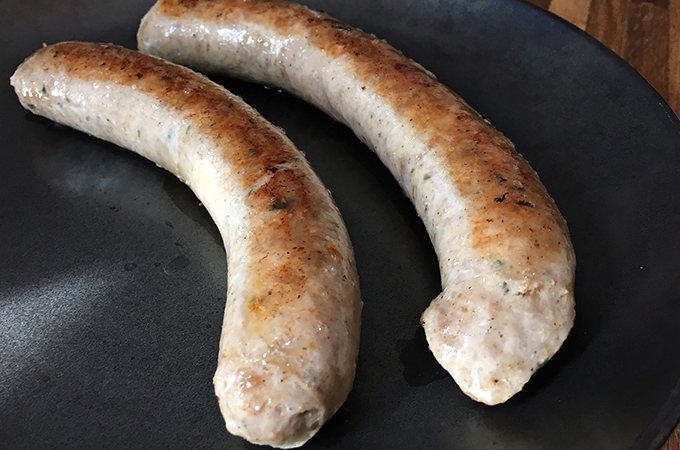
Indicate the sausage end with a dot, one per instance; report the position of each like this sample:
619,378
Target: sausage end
268,406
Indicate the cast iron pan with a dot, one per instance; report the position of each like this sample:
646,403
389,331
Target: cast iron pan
113,276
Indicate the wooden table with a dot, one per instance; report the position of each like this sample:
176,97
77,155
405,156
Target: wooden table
646,33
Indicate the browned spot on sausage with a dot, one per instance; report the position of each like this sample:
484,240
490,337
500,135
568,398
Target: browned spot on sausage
472,151
333,252
254,151
255,305
501,198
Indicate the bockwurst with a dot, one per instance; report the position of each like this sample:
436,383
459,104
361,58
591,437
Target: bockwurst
291,326
507,263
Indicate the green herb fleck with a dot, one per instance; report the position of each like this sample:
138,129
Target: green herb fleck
427,176
279,203
255,303
139,133
60,104
505,288
44,89
252,152
519,188
499,262
30,105
544,362
188,128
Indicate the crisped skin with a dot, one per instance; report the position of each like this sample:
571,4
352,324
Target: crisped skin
507,263
291,326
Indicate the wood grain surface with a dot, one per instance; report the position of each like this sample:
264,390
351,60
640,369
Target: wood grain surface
646,33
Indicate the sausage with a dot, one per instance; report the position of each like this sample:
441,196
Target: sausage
507,263
290,338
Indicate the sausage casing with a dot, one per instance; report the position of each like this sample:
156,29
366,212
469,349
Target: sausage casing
290,338
507,263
